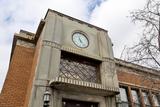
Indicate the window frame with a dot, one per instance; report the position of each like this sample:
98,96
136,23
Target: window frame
157,98
136,104
120,102
148,98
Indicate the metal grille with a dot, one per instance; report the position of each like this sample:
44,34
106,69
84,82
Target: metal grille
79,69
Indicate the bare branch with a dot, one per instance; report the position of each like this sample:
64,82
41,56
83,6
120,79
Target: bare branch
147,51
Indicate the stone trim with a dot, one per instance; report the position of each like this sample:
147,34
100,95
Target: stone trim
76,51
69,49
108,60
83,84
120,62
25,44
136,86
60,95
51,44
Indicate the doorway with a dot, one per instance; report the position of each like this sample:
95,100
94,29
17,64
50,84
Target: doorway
74,103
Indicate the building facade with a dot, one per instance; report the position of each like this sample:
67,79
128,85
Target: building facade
70,63
139,86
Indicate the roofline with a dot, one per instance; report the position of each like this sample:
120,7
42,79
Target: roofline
75,19
39,30
34,35
17,36
137,67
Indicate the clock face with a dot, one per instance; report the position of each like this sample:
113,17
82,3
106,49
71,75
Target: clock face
80,40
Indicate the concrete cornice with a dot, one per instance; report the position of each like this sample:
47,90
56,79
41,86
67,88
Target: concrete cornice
136,67
77,20
39,30
24,36
137,86
27,36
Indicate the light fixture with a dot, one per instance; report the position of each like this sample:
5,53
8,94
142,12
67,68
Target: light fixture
46,98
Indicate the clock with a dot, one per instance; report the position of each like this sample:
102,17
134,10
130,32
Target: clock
80,40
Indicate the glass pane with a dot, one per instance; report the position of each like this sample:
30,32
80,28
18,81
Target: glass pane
135,97
146,98
155,98
123,95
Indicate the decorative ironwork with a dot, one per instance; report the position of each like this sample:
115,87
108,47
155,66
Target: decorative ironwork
78,68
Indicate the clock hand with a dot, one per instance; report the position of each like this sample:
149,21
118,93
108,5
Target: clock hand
80,40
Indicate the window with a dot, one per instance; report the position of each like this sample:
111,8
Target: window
146,99
79,68
156,100
135,96
122,100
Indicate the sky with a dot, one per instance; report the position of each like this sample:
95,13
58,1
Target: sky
112,15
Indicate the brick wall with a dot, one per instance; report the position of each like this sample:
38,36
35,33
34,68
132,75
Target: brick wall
141,79
15,86
33,69
134,77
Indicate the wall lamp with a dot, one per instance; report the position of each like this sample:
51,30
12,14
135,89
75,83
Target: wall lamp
46,98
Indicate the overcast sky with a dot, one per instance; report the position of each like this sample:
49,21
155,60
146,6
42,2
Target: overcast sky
107,14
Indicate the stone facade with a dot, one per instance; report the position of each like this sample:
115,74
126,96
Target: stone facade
36,60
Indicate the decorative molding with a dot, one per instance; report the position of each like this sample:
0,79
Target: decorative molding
26,35
79,52
136,86
69,49
137,68
25,44
108,60
51,44
30,37
83,84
